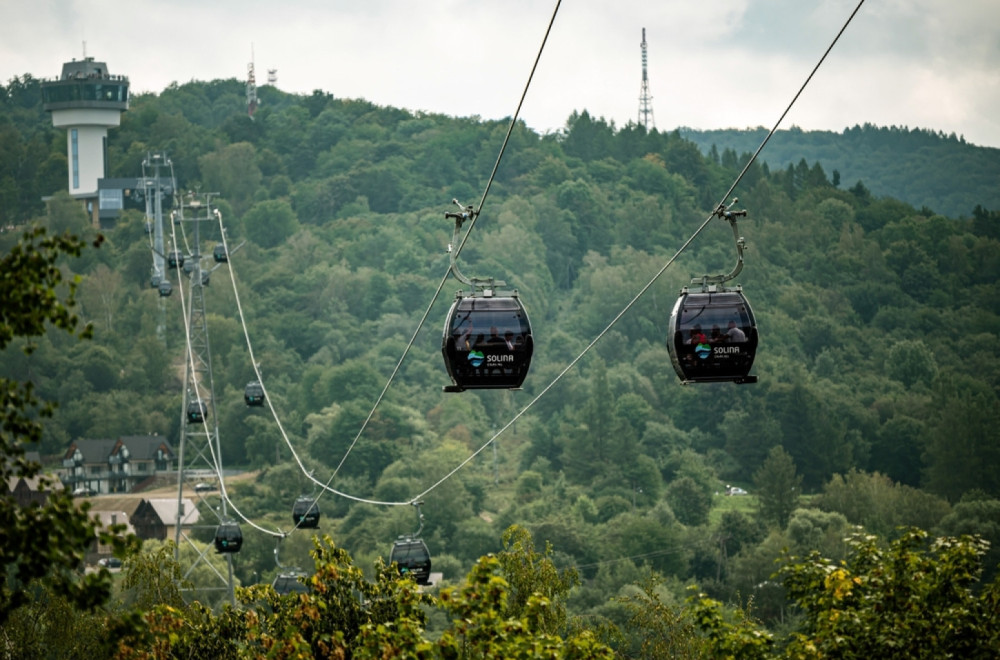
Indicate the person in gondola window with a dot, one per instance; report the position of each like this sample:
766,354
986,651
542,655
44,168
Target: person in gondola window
697,336
734,334
494,339
465,340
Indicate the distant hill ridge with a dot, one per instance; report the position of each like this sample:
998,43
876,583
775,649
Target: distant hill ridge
924,168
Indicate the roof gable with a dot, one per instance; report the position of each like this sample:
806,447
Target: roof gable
93,450
144,447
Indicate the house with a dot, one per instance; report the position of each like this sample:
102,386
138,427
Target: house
157,518
27,490
150,518
110,511
104,466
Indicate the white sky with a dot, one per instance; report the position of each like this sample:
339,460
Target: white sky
930,64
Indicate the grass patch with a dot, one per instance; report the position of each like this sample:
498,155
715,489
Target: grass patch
745,504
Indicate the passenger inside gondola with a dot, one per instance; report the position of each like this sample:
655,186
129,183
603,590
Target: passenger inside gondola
735,334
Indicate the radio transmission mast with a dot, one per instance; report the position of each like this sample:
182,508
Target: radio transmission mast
251,87
645,98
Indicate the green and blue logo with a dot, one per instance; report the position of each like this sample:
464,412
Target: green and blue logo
476,358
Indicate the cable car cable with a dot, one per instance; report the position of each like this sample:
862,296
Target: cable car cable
630,304
437,292
655,277
510,129
216,463
458,248
269,399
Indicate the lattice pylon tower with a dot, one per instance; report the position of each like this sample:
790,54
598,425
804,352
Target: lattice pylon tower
199,455
645,98
154,190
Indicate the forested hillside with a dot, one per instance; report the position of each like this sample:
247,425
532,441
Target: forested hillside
928,170
878,400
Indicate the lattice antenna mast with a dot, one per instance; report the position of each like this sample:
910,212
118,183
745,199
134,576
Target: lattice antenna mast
199,455
645,98
251,87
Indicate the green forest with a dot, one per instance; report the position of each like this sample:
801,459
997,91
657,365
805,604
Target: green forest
927,169
868,449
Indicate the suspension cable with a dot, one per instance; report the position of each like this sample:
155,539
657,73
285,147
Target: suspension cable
458,248
613,322
658,273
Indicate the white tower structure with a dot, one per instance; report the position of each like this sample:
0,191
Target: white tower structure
86,100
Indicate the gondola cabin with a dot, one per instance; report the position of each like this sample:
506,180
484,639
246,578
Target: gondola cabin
253,394
175,259
197,411
712,336
289,583
228,537
305,512
412,558
154,281
165,288
219,253
487,343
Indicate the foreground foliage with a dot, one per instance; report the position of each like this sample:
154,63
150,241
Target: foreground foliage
916,597
345,615
42,543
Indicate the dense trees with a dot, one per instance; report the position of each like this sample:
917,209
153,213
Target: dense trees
895,161
879,362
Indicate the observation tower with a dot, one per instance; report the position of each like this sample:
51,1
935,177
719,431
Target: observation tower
86,100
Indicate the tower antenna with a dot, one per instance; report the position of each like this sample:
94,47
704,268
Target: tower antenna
251,87
645,98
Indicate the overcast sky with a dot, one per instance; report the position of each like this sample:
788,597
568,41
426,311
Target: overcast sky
712,63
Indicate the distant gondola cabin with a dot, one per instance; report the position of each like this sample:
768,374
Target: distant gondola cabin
487,343
290,582
712,336
253,394
197,411
305,512
228,537
412,558
219,253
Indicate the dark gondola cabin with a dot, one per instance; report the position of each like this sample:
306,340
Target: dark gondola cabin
288,583
712,336
228,537
165,288
412,558
487,343
175,259
219,254
253,394
197,411
305,512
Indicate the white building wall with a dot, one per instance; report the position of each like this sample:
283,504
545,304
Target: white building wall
91,127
